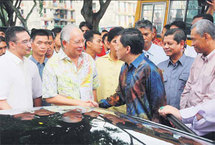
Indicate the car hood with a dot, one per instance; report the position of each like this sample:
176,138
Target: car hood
80,125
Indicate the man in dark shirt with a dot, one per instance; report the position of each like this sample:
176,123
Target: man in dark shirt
140,82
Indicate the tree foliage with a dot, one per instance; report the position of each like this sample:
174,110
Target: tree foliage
10,11
91,17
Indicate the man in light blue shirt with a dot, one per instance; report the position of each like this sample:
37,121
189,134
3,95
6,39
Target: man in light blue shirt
39,38
176,69
152,51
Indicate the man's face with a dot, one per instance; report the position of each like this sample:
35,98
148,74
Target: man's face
198,42
40,45
120,49
22,44
3,47
50,49
2,34
113,45
76,44
147,36
84,29
171,47
97,43
57,40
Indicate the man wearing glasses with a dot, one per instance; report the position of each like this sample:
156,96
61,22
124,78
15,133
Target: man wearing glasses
20,85
70,77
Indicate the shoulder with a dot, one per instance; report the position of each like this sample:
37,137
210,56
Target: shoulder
102,58
163,64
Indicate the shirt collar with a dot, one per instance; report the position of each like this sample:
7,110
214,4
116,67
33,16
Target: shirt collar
209,57
35,61
63,56
138,60
181,61
14,58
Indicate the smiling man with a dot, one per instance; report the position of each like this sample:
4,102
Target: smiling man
140,81
176,69
20,81
70,77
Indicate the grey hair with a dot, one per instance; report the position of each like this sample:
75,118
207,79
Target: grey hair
66,33
144,24
204,26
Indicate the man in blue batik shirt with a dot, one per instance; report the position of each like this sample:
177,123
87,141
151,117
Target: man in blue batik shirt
140,82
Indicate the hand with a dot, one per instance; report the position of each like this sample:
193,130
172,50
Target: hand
91,103
211,4
163,111
95,104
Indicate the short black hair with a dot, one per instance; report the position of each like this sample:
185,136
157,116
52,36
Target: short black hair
50,33
178,34
205,16
10,34
132,37
56,30
89,36
114,32
104,36
38,32
83,23
179,24
104,30
144,24
167,26
2,39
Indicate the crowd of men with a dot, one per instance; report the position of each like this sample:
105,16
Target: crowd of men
129,69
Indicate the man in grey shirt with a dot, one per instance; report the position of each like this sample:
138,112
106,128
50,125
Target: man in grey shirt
176,69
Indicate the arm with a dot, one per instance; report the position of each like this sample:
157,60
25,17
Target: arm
4,105
95,95
62,100
38,102
156,93
211,7
113,100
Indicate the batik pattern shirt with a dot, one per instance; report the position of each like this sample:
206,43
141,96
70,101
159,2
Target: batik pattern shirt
62,76
141,88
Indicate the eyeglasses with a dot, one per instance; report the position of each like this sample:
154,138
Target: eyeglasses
3,47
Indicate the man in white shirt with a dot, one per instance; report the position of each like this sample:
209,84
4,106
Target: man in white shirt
20,85
152,51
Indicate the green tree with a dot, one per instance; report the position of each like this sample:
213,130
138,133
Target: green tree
91,17
10,11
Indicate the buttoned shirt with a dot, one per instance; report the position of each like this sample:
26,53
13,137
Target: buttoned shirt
61,76
40,66
20,81
108,73
175,77
156,54
201,82
141,88
204,125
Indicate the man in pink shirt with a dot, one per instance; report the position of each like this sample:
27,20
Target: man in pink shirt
201,82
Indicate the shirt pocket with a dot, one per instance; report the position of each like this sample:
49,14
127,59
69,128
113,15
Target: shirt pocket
182,80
